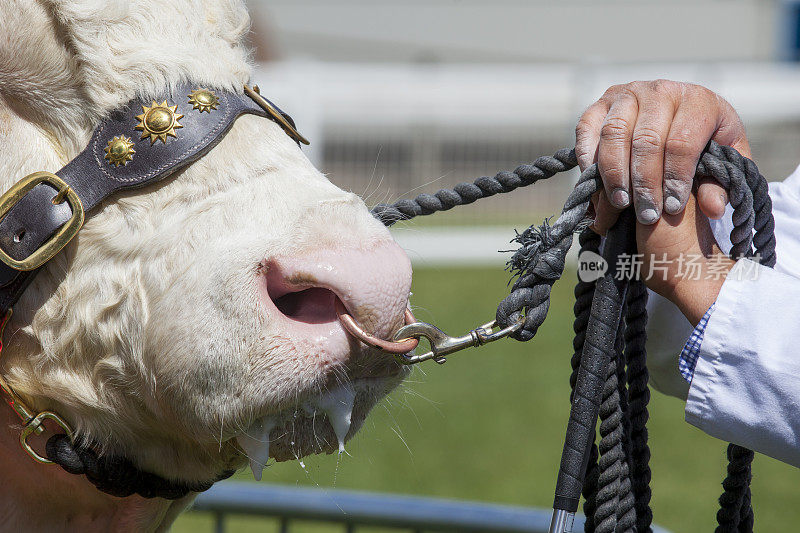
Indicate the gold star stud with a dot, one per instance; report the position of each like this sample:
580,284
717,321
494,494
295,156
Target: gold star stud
203,99
119,151
159,121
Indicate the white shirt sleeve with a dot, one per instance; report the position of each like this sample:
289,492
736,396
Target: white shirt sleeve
746,385
668,329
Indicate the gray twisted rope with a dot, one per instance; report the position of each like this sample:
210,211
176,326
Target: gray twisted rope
540,261
466,193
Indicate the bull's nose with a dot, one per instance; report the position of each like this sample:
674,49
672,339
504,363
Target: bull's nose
373,284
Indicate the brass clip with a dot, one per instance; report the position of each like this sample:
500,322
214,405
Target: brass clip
34,425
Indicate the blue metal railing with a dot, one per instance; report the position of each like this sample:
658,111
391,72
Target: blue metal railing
353,509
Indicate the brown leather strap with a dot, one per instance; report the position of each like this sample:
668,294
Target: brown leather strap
190,131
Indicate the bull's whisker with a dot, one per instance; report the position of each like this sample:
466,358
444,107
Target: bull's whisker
425,185
372,175
399,436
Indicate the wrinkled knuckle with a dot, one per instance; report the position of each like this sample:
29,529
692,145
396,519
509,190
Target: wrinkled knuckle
680,145
637,86
647,141
706,93
612,91
643,187
613,174
665,86
693,88
615,129
584,126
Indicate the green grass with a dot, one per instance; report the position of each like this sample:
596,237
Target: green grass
489,426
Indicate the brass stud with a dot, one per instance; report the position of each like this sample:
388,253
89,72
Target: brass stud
159,121
203,99
119,151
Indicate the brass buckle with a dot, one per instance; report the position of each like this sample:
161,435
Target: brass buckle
34,425
62,236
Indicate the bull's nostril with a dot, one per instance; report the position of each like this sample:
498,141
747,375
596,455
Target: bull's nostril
315,305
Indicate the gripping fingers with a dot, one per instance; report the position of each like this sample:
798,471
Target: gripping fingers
605,214
647,153
730,132
691,129
587,133
614,150
711,198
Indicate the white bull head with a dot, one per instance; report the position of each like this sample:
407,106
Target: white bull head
194,310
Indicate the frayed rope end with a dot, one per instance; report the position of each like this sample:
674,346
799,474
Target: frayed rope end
534,241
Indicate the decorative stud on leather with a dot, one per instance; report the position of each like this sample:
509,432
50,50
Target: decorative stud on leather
119,151
203,99
159,121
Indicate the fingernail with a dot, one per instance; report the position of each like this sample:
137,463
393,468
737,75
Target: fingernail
672,205
648,215
620,198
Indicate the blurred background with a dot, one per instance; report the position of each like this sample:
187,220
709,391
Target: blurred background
400,98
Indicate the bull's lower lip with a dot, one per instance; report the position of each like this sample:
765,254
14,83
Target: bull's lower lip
320,425
307,435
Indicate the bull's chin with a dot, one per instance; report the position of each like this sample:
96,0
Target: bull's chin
318,425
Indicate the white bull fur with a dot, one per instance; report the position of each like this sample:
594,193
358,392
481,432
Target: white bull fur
142,333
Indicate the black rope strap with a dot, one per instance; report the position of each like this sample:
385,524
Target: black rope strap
614,477
638,398
118,476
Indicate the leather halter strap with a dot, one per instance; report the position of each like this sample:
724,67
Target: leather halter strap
133,147
143,142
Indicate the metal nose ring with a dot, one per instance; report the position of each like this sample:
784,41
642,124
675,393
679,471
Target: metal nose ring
402,346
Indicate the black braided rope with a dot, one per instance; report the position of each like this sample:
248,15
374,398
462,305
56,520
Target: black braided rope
611,463
584,292
117,476
622,466
638,399
626,511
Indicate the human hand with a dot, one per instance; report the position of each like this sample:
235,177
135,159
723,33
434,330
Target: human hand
673,243
646,138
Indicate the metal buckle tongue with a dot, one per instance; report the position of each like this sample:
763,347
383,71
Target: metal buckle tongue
443,344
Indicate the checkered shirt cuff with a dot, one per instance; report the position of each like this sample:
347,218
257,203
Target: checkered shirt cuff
691,350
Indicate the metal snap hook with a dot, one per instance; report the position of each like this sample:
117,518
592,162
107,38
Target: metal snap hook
407,338
443,344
